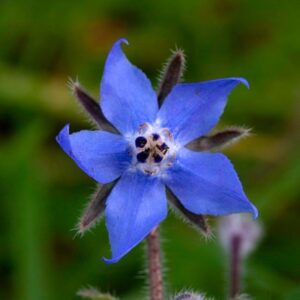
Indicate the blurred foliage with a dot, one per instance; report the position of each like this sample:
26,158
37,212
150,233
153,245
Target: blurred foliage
43,192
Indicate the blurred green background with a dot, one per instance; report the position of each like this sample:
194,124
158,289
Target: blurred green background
42,43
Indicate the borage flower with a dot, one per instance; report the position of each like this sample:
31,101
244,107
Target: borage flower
149,155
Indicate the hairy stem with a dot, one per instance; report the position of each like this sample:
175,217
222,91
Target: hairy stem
154,265
235,267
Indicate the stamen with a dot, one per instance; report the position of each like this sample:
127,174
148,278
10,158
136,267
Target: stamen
140,142
142,156
163,148
155,136
153,150
157,158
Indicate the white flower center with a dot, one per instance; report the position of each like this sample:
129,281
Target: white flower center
153,149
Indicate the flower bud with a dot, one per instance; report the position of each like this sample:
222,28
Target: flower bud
189,296
239,227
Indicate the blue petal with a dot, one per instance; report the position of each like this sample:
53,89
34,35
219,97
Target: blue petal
135,206
207,183
127,97
103,156
193,109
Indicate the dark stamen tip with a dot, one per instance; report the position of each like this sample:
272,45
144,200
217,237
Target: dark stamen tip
140,142
155,136
157,158
164,146
142,156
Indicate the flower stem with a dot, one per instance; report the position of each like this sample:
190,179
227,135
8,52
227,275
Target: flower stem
154,265
235,267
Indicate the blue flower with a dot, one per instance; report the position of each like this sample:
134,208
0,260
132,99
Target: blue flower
149,154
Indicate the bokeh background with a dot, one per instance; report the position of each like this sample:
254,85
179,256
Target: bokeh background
42,43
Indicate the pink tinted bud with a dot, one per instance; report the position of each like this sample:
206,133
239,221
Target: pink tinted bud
239,227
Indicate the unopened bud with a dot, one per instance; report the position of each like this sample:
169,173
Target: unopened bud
239,235
190,296
239,227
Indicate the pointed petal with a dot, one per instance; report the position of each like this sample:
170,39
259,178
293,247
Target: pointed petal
135,206
218,140
101,155
207,184
127,97
193,109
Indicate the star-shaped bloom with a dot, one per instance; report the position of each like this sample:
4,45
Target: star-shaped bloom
149,155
